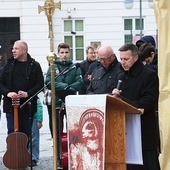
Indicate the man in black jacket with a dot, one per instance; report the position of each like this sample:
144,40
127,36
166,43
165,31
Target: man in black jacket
20,79
84,66
104,76
141,86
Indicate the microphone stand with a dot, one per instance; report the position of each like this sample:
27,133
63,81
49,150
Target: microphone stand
30,129
50,58
43,88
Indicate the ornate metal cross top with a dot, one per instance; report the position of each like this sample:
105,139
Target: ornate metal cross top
49,8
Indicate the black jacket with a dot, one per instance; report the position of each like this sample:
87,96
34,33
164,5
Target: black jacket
91,68
104,80
141,86
34,82
84,66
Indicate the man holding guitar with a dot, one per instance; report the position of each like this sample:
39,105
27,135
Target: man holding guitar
20,79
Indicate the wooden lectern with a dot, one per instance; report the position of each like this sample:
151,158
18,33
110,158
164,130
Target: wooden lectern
98,126
115,134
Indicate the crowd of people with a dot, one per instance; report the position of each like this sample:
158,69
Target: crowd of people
22,77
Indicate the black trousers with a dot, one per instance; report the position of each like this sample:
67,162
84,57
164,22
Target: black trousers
60,118
150,162
49,108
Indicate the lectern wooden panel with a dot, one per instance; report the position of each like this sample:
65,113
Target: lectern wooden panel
96,132
115,137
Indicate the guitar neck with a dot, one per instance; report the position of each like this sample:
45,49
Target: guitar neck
16,122
15,103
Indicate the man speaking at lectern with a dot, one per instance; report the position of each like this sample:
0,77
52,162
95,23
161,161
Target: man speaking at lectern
141,86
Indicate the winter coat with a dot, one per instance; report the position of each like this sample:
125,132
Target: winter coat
34,82
84,66
141,86
92,67
104,79
71,80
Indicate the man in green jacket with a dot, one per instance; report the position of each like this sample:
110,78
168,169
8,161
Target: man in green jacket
67,77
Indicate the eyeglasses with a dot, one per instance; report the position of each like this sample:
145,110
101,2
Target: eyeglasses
105,59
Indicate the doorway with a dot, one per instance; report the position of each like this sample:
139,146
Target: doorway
9,33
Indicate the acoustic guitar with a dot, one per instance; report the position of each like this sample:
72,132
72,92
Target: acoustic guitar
17,156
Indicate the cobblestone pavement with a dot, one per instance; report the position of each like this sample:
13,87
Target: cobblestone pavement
46,151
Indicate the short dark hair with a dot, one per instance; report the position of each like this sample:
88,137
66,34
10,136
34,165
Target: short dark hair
63,45
131,47
145,51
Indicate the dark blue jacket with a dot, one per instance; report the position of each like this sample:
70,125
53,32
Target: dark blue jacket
104,80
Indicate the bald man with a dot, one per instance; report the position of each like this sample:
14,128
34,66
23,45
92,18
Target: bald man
104,76
21,78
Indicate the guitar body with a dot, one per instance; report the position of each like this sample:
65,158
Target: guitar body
64,151
17,156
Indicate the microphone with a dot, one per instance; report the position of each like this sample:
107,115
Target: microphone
119,83
71,68
120,80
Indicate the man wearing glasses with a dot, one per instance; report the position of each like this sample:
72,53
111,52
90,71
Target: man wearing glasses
84,65
103,77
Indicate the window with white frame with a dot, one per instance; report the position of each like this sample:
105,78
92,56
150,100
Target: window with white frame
74,37
132,29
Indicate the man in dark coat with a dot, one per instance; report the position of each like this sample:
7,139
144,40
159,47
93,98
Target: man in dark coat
141,86
92,67
84,66
21,78
104,76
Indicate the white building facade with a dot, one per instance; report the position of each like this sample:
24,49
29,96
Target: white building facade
79,23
